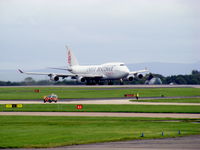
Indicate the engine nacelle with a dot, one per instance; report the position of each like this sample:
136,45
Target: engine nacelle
73,78
81,79
54,78
130,78
140,76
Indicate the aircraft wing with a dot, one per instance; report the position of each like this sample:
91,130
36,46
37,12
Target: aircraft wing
62,74
49,74
139,71
61,69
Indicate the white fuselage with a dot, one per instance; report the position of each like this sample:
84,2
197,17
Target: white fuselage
107,71
93,74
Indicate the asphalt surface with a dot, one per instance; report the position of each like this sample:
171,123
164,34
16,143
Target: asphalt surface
179,143
100,102
111,98
104,114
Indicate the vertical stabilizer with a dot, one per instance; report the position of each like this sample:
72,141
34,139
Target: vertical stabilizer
71,59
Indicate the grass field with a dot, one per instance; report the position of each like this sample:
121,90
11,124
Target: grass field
104,108
37,131
177,100
88,92
41,131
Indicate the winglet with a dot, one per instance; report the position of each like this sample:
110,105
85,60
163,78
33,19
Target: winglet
20,71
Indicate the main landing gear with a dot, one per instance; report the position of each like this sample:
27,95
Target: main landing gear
110,82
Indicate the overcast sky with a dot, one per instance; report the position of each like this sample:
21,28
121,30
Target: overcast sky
33,33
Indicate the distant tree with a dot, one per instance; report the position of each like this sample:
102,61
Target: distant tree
9,83
170,79
194,72
180,80
29,81
44,82
2,83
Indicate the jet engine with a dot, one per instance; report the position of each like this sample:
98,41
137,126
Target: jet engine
81,79
140,76
54,78
130,78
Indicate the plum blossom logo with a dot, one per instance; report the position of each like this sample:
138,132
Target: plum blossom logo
69,57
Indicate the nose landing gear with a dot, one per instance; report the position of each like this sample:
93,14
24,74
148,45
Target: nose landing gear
121,82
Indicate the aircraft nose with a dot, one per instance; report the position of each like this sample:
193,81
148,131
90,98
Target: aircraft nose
125,70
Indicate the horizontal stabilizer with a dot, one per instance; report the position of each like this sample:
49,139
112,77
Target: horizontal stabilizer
20,71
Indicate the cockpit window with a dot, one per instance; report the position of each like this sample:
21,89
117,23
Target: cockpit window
121,64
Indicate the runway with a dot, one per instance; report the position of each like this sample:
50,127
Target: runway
180,143
103,114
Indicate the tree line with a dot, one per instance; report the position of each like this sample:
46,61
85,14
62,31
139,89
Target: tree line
193,78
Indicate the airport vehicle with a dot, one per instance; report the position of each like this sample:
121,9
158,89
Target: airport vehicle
93,74
51,98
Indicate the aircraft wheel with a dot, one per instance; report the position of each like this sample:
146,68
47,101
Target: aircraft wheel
110,83
121,82
101,83
88,82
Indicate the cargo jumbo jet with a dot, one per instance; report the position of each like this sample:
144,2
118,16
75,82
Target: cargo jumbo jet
93,74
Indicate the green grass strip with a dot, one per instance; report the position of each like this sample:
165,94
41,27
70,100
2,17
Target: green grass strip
63,93
37,131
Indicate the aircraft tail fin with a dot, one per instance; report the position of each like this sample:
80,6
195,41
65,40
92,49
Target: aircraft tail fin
71,59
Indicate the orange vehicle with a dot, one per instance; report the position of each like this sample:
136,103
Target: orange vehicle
51,98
